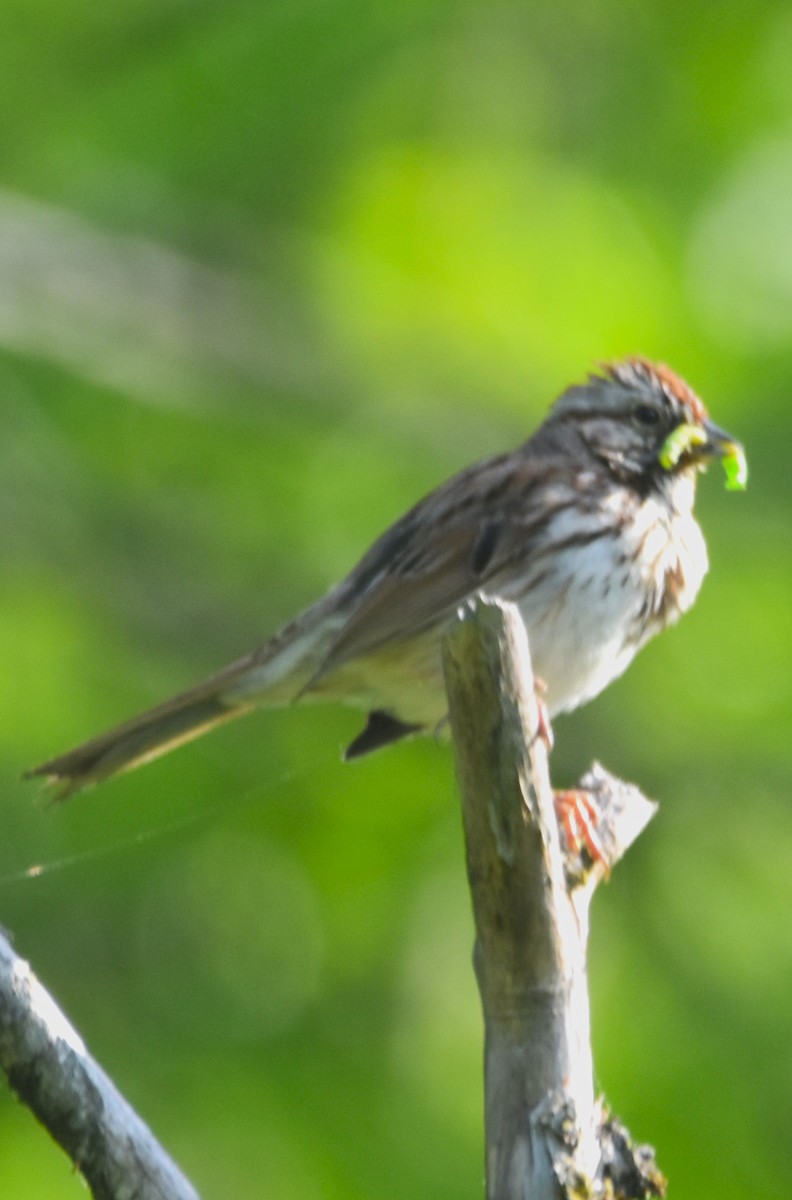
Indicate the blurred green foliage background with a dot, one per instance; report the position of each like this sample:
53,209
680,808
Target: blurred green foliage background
268,272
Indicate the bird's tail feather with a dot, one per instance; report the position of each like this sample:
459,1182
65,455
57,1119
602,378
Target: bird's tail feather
146,736
273,674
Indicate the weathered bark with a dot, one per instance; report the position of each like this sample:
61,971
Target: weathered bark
546,1135
51,1071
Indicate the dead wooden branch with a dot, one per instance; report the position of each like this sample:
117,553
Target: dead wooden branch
51,1071
546,1134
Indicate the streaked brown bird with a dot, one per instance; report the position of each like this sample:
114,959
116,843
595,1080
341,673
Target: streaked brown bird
588,526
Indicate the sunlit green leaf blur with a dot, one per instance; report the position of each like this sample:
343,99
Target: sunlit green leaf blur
269,272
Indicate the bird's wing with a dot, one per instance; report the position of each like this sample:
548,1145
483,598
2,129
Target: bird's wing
456,541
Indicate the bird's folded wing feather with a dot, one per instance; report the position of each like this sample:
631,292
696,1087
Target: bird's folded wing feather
399,604
431,560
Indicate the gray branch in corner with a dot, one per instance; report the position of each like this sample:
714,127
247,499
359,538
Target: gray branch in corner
543,1126
51,1071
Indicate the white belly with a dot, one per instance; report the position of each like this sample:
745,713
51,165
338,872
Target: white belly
588,618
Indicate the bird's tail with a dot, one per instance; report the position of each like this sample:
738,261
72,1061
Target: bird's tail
271,675
277,673
141,739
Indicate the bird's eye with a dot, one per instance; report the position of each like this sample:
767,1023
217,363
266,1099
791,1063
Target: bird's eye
646,415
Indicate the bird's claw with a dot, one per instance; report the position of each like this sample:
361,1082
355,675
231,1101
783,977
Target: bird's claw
578,816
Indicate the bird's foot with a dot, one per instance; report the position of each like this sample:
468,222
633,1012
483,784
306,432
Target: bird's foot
578,816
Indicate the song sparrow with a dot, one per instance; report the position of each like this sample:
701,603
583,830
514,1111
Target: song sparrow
588,527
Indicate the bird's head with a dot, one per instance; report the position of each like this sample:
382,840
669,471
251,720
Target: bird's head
648,426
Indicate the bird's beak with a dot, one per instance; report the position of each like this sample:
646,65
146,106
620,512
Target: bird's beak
699,445
719,444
